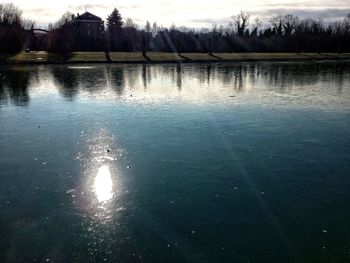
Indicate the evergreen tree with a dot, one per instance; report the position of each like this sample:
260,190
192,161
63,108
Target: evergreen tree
114,21
114,30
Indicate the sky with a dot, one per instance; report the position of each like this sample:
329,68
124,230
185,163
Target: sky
190,13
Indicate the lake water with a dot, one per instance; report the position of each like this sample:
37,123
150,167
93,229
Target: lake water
175,163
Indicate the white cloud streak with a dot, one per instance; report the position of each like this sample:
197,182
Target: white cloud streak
194,13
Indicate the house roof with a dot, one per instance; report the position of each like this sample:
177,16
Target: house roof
88,16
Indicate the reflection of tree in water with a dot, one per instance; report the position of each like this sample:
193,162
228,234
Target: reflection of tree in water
340,72
131,74
67,80
275,77
144,75
253,72
179,76
209,72
239,78
14,84
72,80
2,87
169,70
279,77
196,71
226,75
93,79
283,77
147,74
118,82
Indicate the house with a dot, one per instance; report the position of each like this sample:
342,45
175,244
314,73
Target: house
87,32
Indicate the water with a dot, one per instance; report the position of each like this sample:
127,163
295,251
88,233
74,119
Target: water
175,163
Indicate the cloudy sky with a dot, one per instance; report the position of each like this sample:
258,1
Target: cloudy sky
191,13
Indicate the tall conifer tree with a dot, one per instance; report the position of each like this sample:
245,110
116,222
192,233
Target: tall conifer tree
114,21
114,30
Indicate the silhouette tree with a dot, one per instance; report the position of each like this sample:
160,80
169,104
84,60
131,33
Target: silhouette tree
130,36
147,36
114,21
289,23
114,29
277,25
257,24
130,23
12,35
155,29
66,17
241,21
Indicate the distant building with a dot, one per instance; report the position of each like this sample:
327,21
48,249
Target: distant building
86,32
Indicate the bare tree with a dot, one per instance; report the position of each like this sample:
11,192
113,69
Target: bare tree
346,23
10,15
66,17
289,24
277,24
28,24
255,27
148,27
241,21
146,38
130,23
12,34
155,29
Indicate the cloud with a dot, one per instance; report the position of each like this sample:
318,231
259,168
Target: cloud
90,6
309,4
197,13
327,13
209,21
111,6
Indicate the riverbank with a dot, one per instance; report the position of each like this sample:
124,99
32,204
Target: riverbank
41,57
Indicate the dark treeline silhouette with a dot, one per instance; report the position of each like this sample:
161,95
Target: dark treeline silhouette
88,32
12,29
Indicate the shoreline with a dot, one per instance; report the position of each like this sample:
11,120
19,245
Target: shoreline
45,58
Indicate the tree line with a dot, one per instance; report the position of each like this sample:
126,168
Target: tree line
12,29
287,33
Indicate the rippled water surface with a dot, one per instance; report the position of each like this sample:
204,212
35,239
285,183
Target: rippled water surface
175,163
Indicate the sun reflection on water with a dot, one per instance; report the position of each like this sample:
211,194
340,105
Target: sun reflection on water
102,181
103,184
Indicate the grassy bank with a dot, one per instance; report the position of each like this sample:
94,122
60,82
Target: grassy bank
41,57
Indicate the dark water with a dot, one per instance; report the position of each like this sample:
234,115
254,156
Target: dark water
175,163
